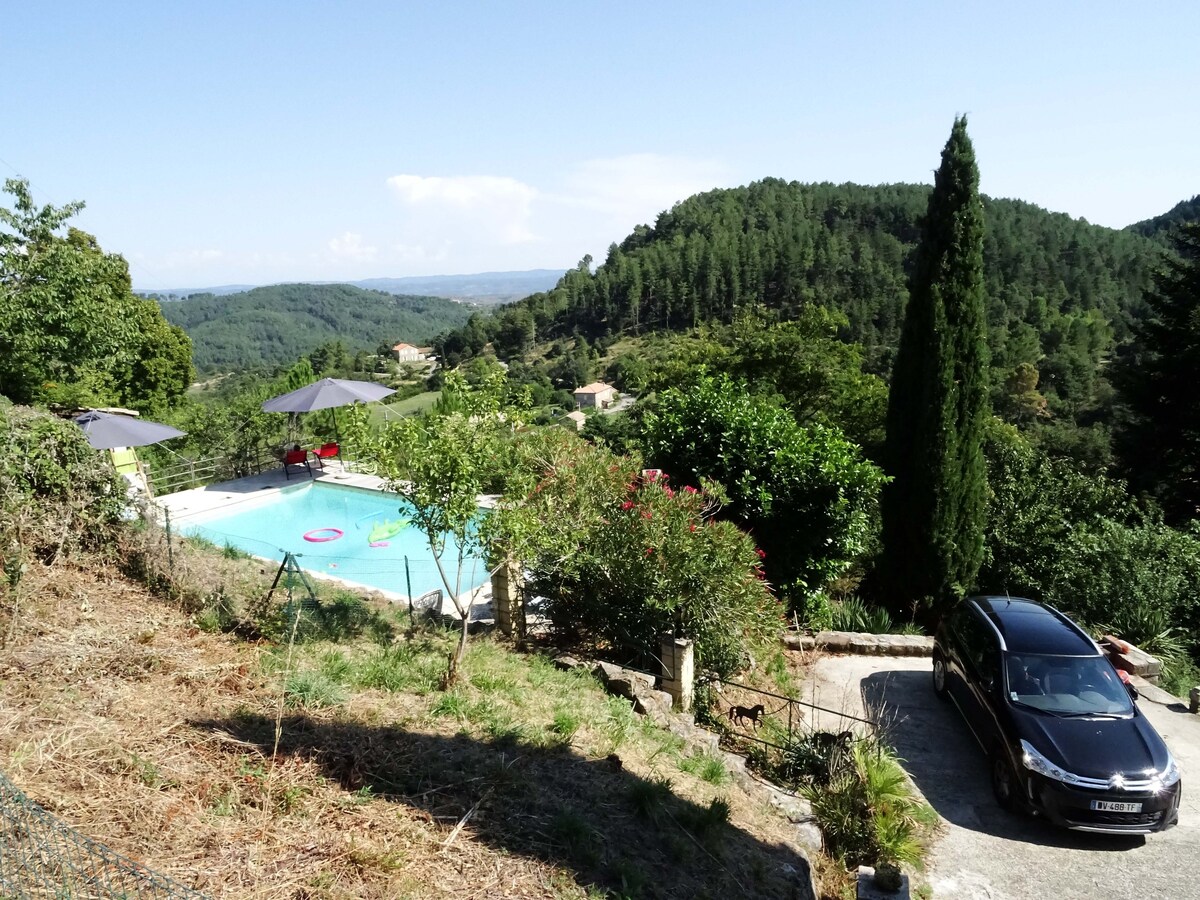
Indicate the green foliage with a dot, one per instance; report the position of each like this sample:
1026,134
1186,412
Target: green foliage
650,798
1164,227
441,464
623,559
272,326
312,690
1160,441
855,614
806,493
801,363
706,767
72,332
867,810
54,488
1083,544
933,511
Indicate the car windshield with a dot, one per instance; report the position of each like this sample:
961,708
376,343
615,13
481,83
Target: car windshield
1067,685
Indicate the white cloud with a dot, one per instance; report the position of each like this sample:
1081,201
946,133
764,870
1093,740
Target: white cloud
636,187
350,246
483,207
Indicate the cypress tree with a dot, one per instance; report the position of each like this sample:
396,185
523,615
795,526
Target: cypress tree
933,510
1160,441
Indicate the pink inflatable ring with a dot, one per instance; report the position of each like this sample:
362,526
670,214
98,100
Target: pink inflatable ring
321,535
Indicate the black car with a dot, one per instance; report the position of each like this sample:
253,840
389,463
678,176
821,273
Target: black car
1063,735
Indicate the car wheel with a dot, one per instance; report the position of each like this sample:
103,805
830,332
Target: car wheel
939,676
1004,781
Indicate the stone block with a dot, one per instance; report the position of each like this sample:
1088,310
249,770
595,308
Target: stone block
1194,700
869,890
793,641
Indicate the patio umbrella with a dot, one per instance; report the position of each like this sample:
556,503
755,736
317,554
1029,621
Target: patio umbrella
105,430
328,393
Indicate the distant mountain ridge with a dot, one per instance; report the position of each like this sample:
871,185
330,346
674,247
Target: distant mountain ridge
480,287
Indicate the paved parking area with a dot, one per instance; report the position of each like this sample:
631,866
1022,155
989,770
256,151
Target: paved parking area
984,853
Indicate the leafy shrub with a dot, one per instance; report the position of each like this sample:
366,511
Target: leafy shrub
854,614
54,487
623,559
806,492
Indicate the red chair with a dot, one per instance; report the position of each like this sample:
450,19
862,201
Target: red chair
295,458
327,451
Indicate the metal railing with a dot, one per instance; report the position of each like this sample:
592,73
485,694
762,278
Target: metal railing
747,709
190,473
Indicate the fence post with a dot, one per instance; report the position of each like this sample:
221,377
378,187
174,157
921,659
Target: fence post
506,597
678,670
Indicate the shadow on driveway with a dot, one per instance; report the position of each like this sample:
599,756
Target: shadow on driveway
950,769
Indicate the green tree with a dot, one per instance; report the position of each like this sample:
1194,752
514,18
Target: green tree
933,511
805,492
71,328
1160,442
441,465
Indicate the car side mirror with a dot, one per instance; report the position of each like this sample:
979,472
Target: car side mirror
1133,692
989,684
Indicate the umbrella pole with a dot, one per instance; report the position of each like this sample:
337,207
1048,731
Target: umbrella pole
336,436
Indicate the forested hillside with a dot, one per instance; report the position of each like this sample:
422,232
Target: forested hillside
785,245
1162,227
275,325
1060,293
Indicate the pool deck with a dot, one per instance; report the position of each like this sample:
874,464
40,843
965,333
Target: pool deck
196,501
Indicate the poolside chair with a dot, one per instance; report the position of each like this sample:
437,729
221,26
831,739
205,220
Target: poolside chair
327,451
295,458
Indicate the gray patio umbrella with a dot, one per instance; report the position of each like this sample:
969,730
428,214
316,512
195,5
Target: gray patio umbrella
328,393
105,430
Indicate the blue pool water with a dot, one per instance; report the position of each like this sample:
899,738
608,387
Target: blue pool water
269,526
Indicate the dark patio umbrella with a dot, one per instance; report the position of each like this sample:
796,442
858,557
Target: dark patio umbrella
328,393
105,430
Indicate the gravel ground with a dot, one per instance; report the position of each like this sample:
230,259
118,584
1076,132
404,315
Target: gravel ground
984,853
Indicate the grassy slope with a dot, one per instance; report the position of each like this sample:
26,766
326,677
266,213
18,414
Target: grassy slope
158,739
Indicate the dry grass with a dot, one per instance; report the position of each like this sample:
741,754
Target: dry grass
159,739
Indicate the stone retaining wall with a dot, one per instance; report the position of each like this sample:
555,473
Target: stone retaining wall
860,643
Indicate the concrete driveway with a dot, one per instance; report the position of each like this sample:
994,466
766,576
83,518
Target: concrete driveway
984,852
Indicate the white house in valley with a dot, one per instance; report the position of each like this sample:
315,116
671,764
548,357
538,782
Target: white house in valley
408,353
597,395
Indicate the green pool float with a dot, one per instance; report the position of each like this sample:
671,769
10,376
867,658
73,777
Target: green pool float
383,530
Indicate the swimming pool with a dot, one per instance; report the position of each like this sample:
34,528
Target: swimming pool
272,525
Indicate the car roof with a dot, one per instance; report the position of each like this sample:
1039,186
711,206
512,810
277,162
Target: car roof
1030,627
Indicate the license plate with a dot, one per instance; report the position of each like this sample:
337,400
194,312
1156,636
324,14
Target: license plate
1111,806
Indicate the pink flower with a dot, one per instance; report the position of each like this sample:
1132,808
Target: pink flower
628,504
760,553
670,493
649,550
688,489
693,527
647,515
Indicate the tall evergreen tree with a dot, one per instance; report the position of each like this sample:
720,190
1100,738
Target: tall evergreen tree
933,511
1160,442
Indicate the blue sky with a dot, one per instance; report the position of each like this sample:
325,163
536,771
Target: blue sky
259,142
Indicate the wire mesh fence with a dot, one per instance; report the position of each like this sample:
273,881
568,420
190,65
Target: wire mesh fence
40,857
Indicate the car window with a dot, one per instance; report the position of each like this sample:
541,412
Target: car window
979,643
1066,685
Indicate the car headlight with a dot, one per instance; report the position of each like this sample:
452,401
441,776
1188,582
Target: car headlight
1035,762
1170,774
